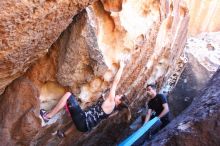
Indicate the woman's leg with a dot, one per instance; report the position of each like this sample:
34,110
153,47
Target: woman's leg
59,106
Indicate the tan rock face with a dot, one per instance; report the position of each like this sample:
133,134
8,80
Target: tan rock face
81,64
149,35
112,6
80,54
28,29
208,46
19,113
45,69
203,53
147,41
204,16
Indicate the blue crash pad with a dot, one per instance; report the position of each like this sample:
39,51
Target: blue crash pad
136,135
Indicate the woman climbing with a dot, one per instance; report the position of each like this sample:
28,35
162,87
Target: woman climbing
86,120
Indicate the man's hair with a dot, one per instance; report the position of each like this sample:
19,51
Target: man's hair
152,86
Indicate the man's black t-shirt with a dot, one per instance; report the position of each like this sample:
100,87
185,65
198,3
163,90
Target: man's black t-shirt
156,104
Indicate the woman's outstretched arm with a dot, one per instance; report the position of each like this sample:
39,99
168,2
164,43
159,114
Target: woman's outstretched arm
116,81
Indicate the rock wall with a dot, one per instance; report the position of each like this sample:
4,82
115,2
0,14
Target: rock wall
28,29
23,24
203,53
149,59
19,113
83,60
150,35
204,16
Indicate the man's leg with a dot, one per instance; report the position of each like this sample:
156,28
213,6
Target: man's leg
164,121
148,134
59,106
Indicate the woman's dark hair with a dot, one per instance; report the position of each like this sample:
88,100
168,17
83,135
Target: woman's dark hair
125,104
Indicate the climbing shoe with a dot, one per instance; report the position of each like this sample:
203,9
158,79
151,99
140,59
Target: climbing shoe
43,114
60,134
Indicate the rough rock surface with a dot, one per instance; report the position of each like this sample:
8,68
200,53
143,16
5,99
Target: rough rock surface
198,124
80,58
28,29
150,56
204,16
85,58
203,53
77,61
45,68
19,113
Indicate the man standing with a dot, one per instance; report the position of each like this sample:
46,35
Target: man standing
157,106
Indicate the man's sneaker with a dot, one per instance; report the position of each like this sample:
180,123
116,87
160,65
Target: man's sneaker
43,114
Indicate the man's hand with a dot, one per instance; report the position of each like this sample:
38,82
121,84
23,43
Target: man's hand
148,115
164,111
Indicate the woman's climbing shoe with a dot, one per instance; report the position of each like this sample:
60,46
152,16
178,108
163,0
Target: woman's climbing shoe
43,114
60,134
